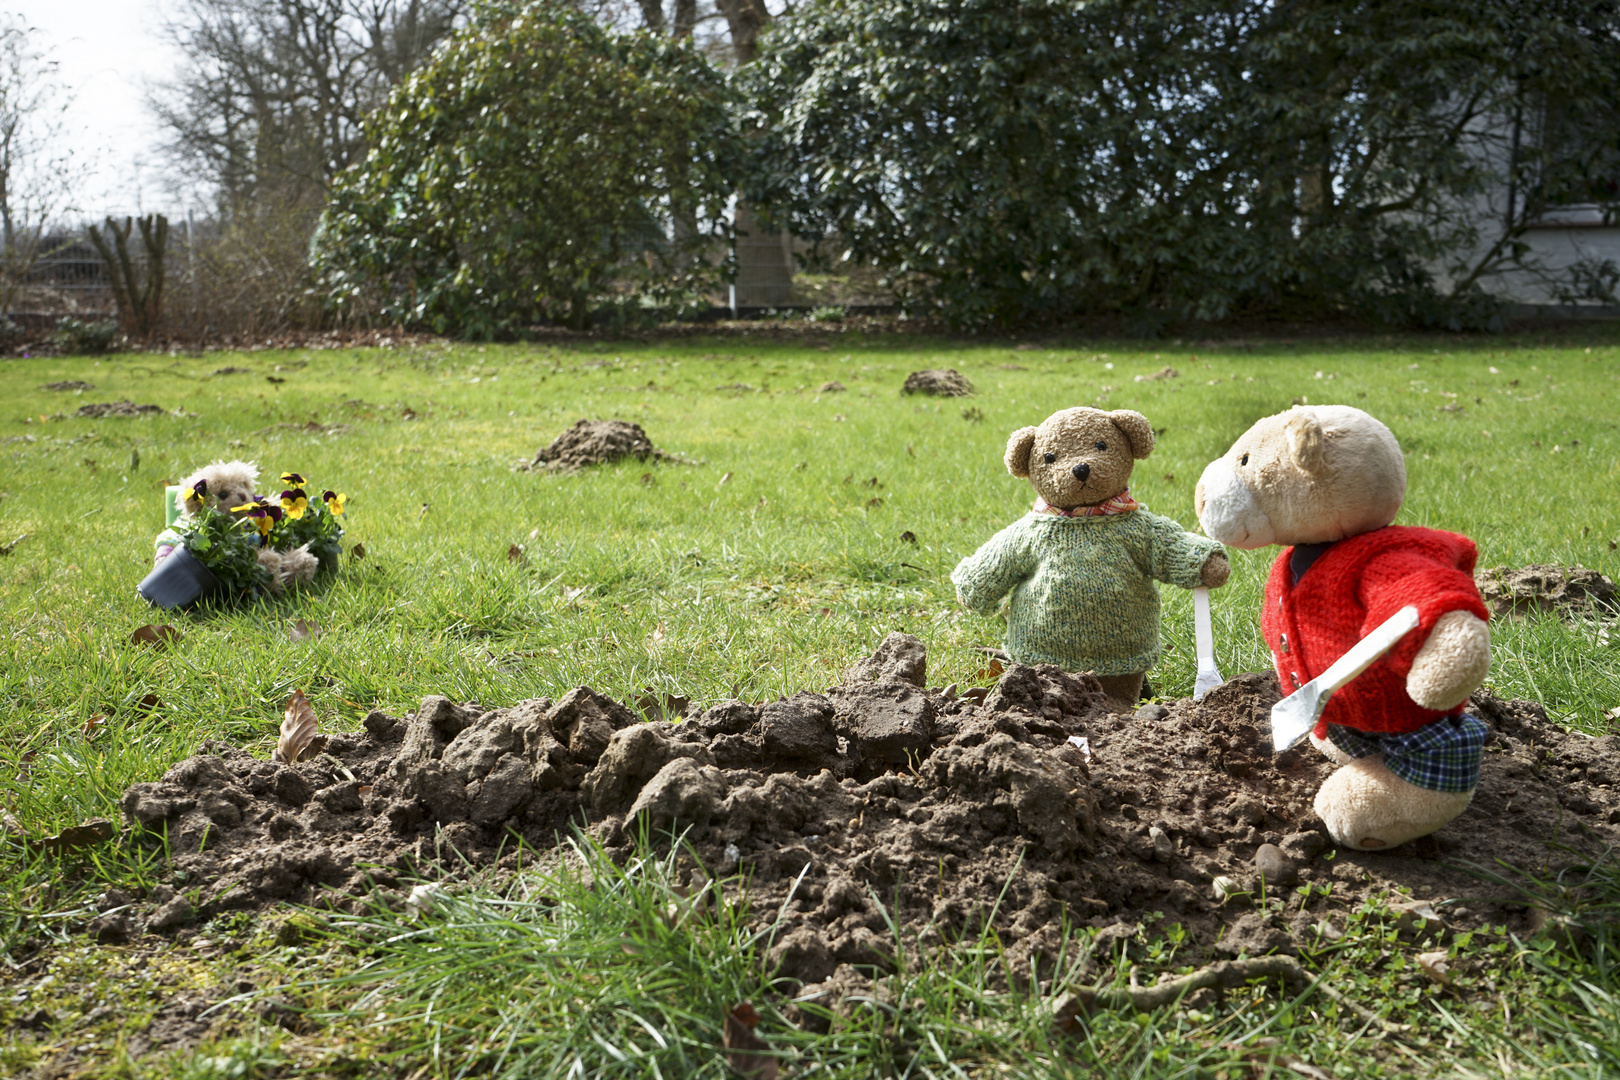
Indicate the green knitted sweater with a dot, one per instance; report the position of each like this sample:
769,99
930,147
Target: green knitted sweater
1083,595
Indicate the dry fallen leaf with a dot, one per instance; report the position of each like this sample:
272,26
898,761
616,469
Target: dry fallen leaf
993,671
662,707
1434,965
297,729
746,1052
658,635
514,553
303,628
94,831
156,637
571,594
358,551
94,726
908,537
723,479
148,702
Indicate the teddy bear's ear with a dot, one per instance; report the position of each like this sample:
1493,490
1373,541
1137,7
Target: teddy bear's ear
1306,443
1136,429
1019,445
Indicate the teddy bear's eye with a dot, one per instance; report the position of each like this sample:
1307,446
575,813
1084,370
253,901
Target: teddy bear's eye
1244,460
1050,457
1102,446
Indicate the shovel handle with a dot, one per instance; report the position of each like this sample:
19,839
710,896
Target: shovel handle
1203,630
1360,656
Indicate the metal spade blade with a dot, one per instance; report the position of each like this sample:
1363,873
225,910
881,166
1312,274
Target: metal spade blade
1294,716
1209,676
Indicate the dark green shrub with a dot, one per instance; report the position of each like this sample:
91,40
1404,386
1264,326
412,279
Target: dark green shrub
1039,159
537,167
85,337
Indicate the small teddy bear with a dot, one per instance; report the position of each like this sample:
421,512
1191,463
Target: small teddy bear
228,486
1326,481
1081,565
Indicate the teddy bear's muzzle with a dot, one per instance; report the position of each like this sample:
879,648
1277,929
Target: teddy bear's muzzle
1228,511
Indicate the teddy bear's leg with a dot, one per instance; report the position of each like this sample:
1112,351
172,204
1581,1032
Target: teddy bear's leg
271,561
298,566
1123,688
1330,750
1369,808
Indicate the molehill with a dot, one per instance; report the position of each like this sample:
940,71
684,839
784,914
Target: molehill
1021,803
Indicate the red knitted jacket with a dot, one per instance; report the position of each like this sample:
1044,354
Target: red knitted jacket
1352,587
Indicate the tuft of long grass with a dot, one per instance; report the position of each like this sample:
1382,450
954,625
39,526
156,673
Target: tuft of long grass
592,969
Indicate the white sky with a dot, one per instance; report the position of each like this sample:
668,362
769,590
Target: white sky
108,50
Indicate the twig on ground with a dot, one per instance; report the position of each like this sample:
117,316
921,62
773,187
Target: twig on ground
1071,1007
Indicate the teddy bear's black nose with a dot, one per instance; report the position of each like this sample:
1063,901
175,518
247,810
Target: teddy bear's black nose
1081,471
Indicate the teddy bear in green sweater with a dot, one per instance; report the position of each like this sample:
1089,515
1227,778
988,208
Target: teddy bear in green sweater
1081,566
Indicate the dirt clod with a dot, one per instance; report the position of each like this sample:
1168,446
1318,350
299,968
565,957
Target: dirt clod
1565,591
941,382
879,799
597,442
102,409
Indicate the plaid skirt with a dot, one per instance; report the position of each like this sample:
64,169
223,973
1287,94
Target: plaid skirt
1442,756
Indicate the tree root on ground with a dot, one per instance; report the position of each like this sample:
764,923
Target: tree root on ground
1072,1007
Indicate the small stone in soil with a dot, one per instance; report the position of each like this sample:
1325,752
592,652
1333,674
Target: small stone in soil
177,911
1275,867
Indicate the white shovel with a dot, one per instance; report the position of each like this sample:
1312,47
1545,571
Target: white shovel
1294,716
1209,676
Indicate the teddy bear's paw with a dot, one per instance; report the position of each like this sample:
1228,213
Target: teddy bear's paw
298,566
1368,808
1215,571
1452,663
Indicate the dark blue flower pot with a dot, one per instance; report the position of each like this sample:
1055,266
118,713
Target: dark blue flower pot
178,581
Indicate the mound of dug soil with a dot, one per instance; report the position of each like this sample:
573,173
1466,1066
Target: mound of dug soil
597,442
943,382
117,408
880,789
1563,590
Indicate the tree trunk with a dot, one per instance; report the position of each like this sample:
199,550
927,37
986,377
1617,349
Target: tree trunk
764,268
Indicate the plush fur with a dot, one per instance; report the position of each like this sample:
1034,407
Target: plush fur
232,484
1316,475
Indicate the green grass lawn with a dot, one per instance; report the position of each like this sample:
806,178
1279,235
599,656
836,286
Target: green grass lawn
809,523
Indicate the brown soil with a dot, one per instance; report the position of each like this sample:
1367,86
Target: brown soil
949,810
945,382
1563,590
117,408
68,384
597,442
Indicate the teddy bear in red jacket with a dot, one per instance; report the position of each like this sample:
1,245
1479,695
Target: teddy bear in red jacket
1326,481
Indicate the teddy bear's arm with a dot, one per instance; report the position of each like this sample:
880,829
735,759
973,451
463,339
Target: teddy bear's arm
1178,557
993,571
1452,663
1451,651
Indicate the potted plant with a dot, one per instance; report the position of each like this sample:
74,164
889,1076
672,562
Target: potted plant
215,554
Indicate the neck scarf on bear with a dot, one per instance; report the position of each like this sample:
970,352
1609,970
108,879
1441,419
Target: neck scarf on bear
1119,504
